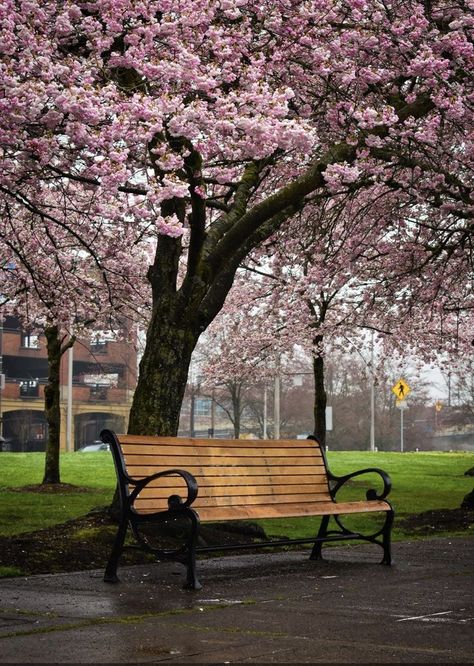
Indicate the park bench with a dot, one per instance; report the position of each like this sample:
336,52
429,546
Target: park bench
173,479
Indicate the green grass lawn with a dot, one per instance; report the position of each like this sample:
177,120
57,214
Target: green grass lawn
421,482
26,512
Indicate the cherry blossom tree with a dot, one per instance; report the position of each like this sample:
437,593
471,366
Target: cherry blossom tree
214,123
458,382
53,286
325,286
239,350
344,274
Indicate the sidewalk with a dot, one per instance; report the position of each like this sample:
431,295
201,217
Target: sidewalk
265,608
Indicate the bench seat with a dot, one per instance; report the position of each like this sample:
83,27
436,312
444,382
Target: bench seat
290,510
211,480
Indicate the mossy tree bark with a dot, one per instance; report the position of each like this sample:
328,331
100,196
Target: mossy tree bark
163,376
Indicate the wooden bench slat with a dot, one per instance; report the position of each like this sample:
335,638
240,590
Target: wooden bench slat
241,489
146,440
237,500
222,472
292,510
218,452
185,462
302,480
250,492
286,510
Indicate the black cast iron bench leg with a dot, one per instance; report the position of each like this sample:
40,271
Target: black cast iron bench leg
316,552
192,582
110,575
386,539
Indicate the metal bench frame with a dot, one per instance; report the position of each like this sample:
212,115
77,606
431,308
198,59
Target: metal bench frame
129,489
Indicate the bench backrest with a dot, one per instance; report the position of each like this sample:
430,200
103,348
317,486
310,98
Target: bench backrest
249,474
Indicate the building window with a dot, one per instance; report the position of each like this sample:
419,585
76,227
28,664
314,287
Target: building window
98,392
202,407
100,340
101,379
29,388
29,341
99,346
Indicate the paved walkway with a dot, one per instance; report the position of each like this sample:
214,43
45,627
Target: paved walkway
265,608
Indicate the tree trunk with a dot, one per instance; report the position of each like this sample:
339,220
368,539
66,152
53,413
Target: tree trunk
320,397
52,407
236,408
163,375
237,424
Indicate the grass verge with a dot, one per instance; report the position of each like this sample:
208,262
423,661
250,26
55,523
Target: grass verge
420,482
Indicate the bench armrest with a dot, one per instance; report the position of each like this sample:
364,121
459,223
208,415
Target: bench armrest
371,493
174,501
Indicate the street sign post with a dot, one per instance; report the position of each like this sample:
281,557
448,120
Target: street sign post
438,407
402,405
401,390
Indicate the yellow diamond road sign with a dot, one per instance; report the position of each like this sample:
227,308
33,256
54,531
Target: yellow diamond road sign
401,389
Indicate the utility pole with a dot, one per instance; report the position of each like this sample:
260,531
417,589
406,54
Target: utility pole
192,431
213,412
372,396
265,434
193,390
276,408
69,446
2,382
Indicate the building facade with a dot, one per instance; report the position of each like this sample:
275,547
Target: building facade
98,377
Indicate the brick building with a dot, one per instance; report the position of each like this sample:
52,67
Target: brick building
101,371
